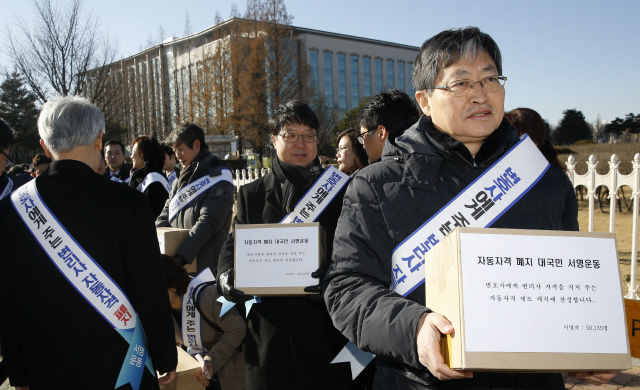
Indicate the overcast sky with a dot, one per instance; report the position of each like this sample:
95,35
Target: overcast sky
557,55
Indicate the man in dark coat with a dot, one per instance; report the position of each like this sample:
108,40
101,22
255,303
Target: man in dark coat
52,337
290,342
208,215
457,76
114,154
9,182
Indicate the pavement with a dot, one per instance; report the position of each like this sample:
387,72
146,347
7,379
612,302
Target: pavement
629,379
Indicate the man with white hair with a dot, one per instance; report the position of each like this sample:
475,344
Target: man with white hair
73,303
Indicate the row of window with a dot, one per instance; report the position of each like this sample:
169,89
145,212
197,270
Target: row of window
355,87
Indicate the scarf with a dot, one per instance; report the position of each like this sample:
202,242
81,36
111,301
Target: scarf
186,172
296,180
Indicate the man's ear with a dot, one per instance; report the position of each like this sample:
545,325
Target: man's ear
196,145
423,101
384,133
47,152
98,143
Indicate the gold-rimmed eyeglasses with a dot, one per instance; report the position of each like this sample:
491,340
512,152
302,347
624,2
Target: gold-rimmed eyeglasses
464,87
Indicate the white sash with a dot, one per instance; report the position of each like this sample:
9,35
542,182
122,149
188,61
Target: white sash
153,177
478,205
191,191
318,197
115,178
191,321
86,276
7,188
171,178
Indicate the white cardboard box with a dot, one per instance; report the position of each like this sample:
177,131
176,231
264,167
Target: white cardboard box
529,300
277,259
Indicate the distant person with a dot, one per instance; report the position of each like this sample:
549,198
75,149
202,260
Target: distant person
171,167
201,200
84,294
350,153
380,116
40,164
221,336
9,182
147,175
115,155
528,121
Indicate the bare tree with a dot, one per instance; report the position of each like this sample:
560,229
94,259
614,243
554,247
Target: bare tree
55,53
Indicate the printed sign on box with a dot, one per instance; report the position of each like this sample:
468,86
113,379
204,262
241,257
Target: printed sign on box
277,259
529,300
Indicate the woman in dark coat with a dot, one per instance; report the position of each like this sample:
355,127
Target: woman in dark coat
147,175
290,341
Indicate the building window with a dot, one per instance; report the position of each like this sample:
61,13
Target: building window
313,56
342,82
366,62
413,91
389,74
328,79
378,75
354,81
401,76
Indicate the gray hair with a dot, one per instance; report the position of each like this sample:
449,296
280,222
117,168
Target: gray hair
66,122
446,48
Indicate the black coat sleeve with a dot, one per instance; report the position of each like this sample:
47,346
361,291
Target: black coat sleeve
358,296
147,288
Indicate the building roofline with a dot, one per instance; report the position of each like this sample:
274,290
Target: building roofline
297,29
354,38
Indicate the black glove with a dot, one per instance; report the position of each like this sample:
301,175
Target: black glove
316,293
231,294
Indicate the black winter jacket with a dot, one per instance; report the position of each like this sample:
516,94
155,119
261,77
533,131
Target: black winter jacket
155,192
420,172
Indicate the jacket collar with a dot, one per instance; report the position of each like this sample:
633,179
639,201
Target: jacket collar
423,148
201,167
68,168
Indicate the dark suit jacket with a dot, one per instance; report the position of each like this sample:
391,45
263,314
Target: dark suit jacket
123,173
290,342
51,337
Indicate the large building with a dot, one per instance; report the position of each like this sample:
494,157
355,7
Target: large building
170,82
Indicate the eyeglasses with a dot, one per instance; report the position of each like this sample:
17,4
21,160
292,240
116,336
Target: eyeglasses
293,138
341,149
464,87
361,136
9,161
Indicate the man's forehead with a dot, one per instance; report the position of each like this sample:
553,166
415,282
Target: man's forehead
303,128
464,66
113,148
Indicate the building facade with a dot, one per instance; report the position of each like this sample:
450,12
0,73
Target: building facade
190,78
